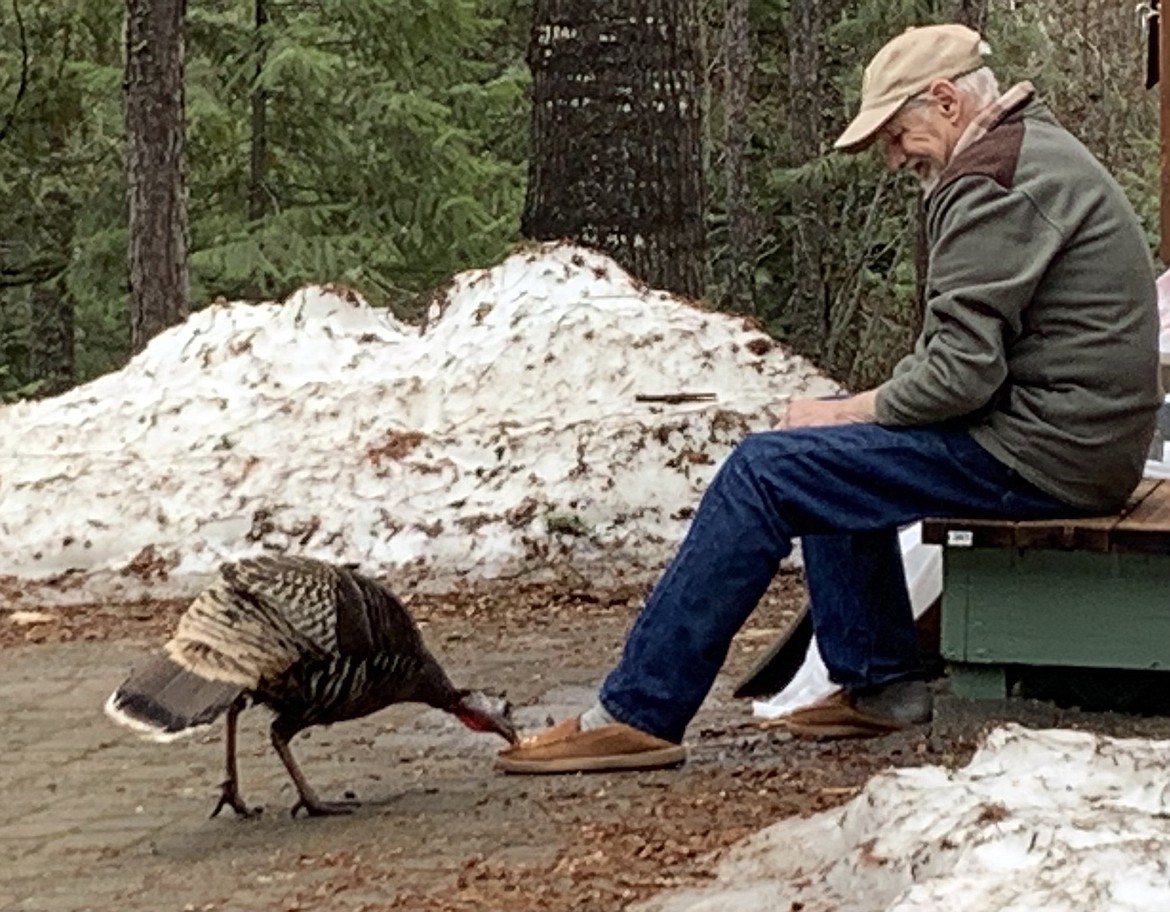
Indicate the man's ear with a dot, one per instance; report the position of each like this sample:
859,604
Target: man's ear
948,98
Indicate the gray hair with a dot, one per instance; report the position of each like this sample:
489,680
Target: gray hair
980,86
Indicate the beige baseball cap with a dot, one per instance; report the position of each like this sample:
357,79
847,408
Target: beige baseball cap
904,67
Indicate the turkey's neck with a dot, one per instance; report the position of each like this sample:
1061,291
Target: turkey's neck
434,688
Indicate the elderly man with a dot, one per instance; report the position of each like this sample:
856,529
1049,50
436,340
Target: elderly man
1031,393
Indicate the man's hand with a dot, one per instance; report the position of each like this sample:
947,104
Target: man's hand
823,412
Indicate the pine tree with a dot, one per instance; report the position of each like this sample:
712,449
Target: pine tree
154,166
381,144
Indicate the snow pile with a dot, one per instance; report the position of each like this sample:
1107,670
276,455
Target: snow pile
502,437
1054,820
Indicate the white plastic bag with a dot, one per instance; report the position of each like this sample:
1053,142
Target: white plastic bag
811,682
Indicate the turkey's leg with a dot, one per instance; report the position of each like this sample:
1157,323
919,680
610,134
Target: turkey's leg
229,795
308,801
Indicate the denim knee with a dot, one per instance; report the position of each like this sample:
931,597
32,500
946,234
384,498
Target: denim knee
760,457
752,450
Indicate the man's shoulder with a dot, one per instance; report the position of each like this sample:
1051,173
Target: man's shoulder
995,156
1028,134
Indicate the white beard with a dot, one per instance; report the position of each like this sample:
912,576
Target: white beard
928,178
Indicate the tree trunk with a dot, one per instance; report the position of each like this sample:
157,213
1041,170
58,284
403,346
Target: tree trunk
153,93
616,156
807,316
257,174
741,220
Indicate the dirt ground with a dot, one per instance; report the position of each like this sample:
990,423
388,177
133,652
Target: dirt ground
94,819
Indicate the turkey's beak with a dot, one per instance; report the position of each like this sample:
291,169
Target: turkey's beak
506,728
482,713
504,723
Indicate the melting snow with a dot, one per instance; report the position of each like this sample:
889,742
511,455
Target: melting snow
502,437
1056,820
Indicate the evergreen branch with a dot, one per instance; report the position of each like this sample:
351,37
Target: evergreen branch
23,87
42,269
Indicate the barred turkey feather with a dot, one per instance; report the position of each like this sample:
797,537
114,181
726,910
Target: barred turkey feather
315,642
304,596
164,701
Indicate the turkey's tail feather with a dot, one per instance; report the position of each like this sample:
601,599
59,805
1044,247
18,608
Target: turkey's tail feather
164,701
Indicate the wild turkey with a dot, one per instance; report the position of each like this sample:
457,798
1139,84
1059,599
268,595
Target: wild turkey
314,642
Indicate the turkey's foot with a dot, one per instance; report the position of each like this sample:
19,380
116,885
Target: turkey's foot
314,807
229,796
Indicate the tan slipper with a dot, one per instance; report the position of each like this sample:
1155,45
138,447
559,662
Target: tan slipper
564,748
837,716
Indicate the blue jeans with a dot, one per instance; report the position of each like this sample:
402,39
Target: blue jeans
844,490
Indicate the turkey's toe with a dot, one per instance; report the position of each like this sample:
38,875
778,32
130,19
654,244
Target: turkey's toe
229,796
314,808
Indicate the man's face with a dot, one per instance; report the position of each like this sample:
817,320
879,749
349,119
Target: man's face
923,134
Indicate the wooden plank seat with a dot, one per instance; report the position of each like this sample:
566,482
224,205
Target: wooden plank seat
1072,594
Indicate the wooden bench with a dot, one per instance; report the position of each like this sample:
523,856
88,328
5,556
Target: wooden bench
1089,593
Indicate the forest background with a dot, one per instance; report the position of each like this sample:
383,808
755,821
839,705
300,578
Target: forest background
386,144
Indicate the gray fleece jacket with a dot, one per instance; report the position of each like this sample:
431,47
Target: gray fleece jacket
1041,325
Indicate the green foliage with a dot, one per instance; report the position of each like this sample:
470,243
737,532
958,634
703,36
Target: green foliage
382,166
15,394
1087,59
396,139
840,215
61,156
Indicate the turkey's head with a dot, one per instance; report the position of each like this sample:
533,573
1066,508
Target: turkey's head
483,713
